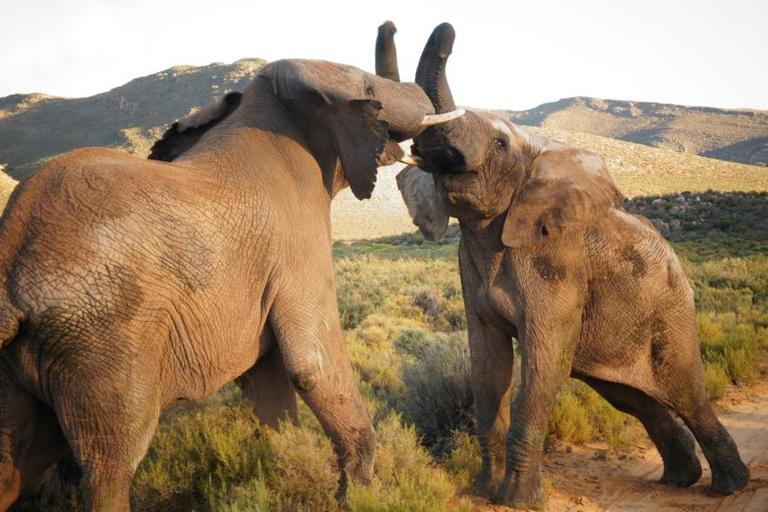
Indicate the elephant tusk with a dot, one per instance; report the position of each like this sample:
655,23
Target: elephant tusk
412,160
432,119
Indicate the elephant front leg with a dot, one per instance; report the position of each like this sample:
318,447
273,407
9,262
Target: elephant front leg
546,350
492,357
316,362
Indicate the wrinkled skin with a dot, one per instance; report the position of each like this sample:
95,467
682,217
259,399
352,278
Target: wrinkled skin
549,256
128,284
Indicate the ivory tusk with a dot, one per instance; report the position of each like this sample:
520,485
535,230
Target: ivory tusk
431,119
412,160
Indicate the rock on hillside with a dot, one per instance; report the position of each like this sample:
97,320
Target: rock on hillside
36,127
735,135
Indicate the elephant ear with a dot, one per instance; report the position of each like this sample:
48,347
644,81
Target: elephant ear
186,132
423,201
334,100
568,189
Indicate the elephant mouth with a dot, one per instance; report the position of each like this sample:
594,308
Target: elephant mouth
446,161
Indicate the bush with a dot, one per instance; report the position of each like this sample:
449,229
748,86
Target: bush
715,380
463,461
438,393
304,474
406,477
570,419
197,452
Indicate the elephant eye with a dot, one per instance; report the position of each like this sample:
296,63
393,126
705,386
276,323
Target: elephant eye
369,91
500,143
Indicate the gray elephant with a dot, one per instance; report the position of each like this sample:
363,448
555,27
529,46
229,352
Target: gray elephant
549,256
127,284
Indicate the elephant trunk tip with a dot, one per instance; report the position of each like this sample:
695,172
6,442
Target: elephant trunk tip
387,27
430,73
442,39
386,53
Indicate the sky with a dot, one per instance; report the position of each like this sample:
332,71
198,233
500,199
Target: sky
508,54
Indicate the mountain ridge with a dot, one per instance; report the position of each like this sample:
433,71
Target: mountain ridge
37,127
737,135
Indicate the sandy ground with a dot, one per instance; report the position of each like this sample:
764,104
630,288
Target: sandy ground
591,478
384,214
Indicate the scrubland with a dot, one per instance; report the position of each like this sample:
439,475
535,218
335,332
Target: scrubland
402,313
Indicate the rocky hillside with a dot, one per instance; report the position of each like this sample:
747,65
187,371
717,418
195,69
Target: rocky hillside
36,127
735,135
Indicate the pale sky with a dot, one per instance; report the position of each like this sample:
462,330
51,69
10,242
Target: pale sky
508,54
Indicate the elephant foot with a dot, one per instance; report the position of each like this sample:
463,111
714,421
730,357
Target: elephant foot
682,474
524,492
729,477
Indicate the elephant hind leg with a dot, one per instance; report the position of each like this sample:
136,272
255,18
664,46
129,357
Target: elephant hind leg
30,439
675,444
267,386
729,473
109,420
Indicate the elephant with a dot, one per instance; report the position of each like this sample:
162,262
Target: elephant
127,284
549,256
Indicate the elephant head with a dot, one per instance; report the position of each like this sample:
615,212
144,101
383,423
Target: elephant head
351,120
480,166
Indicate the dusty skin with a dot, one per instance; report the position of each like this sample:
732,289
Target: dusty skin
591,478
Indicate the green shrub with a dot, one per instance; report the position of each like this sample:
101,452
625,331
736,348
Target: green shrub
304,471
438,394
198,451
715,380
406,477
570,419
463,461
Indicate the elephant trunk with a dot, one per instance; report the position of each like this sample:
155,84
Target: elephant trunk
430,74
386,53
441,148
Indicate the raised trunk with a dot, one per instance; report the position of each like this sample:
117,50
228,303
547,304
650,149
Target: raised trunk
430,74
442,147
386,53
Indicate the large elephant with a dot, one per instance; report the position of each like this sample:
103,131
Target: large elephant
549,256
127,284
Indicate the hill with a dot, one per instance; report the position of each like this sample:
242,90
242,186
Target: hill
638,170
37,127
735,135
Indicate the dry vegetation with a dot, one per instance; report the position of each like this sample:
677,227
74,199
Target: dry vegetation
401,308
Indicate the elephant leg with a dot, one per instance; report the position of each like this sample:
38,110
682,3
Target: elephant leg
309,336
675,443
546,350
30,438
729,473
109,420
267,386
492,358
679,384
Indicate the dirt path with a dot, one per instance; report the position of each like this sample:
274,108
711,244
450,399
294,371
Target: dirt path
591,479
